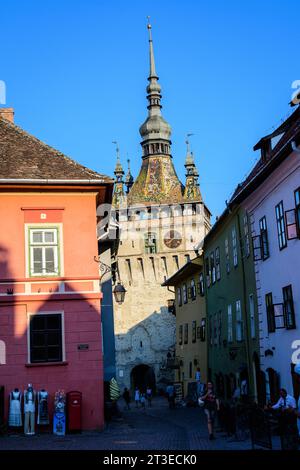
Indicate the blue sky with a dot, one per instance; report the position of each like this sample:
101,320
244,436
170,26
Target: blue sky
76,74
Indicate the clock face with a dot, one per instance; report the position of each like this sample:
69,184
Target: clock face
172,239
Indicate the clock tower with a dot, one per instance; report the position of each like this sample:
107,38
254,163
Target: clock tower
162,224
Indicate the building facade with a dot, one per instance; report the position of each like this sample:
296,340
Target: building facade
160,222
271,196
190,311
49,280
231,305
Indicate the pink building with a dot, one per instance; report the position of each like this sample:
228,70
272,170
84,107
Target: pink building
271,195
50,325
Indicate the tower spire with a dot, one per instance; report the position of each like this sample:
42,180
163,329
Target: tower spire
192,187
118,194
128,178
153,73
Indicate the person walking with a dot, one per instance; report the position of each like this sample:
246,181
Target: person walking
137,397
171,396
143,401
211,405
127,398
198,381
149,396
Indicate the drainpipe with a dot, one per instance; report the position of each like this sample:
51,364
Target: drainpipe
249,361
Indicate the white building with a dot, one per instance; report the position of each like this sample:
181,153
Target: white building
271,195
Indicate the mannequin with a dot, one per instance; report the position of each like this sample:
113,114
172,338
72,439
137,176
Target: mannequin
43,415
15,415
29,410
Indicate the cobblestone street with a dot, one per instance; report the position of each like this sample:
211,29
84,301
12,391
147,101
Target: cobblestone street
154,428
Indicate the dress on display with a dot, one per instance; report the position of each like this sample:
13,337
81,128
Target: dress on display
15,415
43,414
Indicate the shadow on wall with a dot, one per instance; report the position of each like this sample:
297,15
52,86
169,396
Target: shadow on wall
72,359
146,343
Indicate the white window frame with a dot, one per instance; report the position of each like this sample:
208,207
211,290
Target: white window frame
239,321
252,315
229,324
63,343
234,246
30,245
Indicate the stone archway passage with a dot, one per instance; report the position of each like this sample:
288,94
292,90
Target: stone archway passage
143,376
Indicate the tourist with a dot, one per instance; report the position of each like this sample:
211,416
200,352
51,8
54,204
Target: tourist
149,396
285,401
211,405
127,399
171,395
143,401
137,397
198,380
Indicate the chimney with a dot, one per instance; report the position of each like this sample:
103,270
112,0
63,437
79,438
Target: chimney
7,113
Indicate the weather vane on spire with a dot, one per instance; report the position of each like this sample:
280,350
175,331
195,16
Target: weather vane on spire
117,149
188,142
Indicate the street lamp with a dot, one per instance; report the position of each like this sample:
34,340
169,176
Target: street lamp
119,293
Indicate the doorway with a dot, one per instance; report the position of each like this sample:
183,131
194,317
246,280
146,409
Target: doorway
142,376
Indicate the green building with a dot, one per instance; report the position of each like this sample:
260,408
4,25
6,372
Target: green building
231,306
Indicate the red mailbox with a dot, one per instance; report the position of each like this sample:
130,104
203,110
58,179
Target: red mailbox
74,403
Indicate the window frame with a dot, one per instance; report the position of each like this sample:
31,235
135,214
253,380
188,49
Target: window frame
227,257
270,312
229,324
193,289
184,293
217,263
180,335
239,323
280,224
62,337
252,316
194,331
234,246
147,247
31,245
179,296
297,208
288,290
246,235
186,333
212,267
264,243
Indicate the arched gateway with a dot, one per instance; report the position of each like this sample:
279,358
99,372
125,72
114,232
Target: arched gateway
142,376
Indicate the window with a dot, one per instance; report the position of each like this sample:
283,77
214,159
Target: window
229,324
203,329
176,263
45,338
186,333
179,296
234,247
201,285
207,272
252,315
191,370
128,270
216,329
194,331
187,258
280,225
292,218
212,267
270,313
184,290
264,242
246,236
227,256
211,330
288,307
44,252
180,334
193,289
150,243
218,268
239,321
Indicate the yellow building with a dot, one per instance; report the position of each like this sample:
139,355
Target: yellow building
191,346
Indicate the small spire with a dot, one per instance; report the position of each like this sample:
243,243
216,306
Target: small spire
153,73
129,178
189,159
118,169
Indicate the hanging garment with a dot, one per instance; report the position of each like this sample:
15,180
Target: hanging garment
43,414
15,415
29,410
